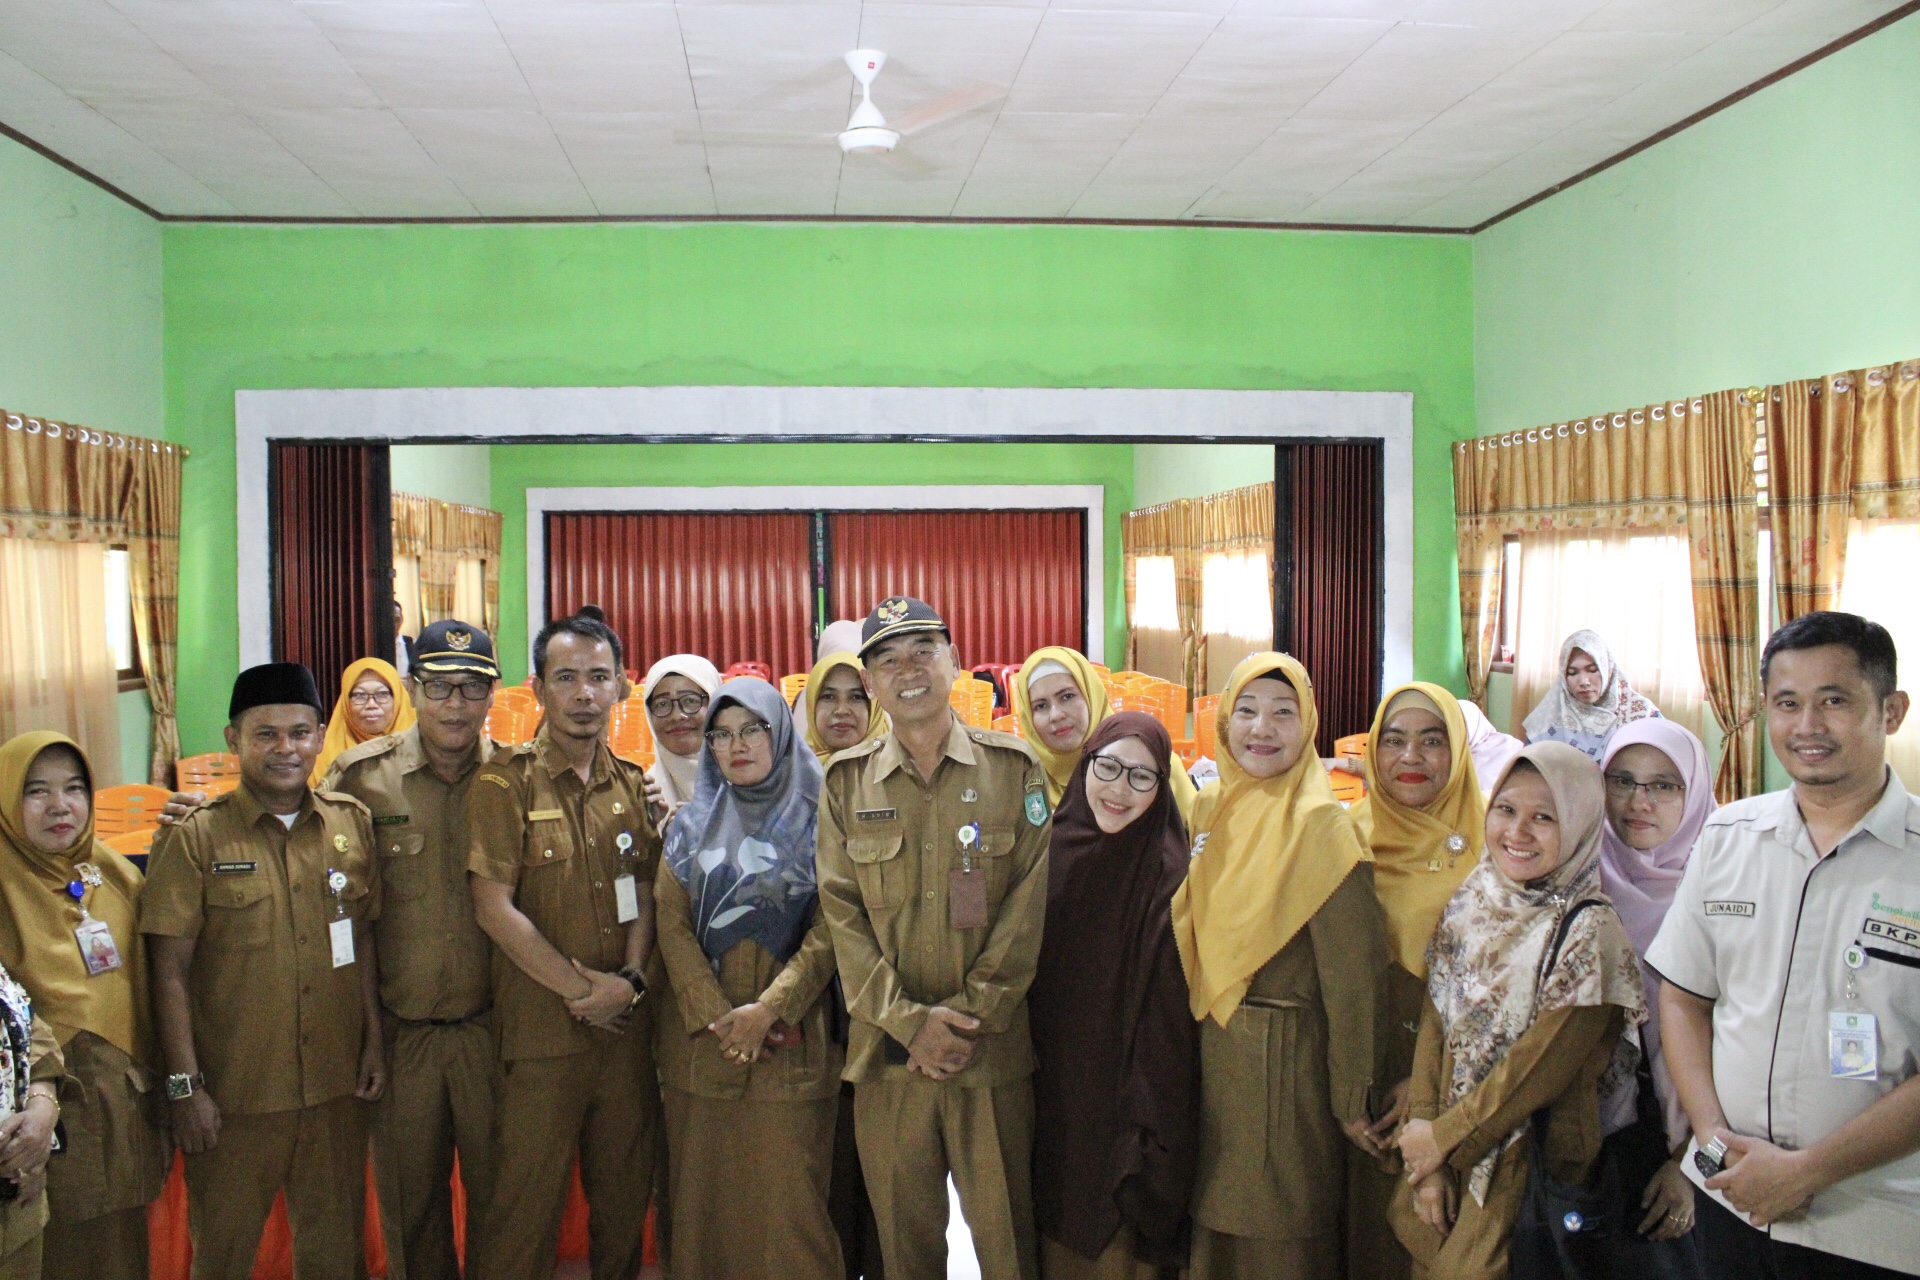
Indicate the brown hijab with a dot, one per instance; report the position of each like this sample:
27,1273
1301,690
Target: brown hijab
1117,1089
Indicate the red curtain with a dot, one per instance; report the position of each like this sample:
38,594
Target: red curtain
1328,590
1007,582
332,565
732,587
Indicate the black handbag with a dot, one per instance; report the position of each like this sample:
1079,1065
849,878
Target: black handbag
1568,1231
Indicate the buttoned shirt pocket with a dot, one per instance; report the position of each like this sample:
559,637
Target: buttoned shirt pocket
403,872
549,841
239,912
878,867
996,843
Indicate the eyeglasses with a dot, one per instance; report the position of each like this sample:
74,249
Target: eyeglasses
687,704
370,697
1621,786
441,690
1139,777
750,736
919,654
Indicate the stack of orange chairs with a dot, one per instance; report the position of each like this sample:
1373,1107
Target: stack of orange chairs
127,817
973,699
629,735
214,772
1349,788
1009,723
1204,709
515,717
791,687
737,670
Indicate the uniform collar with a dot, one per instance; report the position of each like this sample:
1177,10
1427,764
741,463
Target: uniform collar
557,764
1885,822
958,748
410,755
250,810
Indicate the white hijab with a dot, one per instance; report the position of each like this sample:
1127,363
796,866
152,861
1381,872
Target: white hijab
677,774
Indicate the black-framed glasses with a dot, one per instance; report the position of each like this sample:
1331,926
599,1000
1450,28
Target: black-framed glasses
370,697
1621,786
1139,777
750,735
441,690
662,705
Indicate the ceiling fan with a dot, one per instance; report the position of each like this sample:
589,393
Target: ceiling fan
868,131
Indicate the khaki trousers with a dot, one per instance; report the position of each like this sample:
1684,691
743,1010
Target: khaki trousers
318,1155
606,1103
913,1132
21,1238
441,1087
112,1244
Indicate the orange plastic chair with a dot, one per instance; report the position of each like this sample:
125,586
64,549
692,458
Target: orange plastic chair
1353,746
1203,734
628,732
217,786
131,806
1348,788
737,669
132,844
792,686
194,773
1008,724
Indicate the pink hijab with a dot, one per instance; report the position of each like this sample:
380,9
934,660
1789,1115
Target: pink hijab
1642,882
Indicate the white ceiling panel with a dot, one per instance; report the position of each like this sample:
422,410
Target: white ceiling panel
1425,112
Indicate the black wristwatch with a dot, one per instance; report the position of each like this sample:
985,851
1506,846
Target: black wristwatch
1711,1159
634,980
180,1087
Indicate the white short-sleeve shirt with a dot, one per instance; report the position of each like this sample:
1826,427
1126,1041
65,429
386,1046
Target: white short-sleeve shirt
1761,925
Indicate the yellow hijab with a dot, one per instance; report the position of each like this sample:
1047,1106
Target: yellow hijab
1268,853
1417,860
876,718
1061,764
342,733
37,945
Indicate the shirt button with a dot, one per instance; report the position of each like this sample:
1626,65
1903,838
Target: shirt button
929,894
549,853
928,947
605,930
302,939
927,847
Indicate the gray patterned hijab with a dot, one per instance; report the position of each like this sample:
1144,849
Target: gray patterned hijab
745,854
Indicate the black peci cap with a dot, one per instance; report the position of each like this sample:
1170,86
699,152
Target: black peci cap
273,684
898,616
451,645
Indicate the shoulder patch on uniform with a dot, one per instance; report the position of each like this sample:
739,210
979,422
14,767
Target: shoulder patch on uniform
1037,808
496,780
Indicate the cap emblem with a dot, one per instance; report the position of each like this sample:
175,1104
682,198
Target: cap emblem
459,641
891,611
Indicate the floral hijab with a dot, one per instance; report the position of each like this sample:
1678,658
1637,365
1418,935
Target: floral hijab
1620,703
745,854
1487,971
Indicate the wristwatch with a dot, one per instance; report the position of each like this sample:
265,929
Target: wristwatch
182,1087
1711,1159
634,980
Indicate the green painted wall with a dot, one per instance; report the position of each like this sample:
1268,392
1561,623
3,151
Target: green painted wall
405,306
1163,472
81,334
1776,240
450,472
517,468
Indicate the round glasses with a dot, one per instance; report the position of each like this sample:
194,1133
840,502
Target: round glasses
750,735
1139,777
662,705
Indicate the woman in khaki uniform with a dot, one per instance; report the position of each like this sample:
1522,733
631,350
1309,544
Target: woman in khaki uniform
1513,1024
1422,819
750,1073
1285,953
69,933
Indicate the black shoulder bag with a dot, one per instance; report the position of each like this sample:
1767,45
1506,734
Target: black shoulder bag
1568,1231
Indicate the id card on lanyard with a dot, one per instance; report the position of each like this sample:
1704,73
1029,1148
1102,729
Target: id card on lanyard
97,948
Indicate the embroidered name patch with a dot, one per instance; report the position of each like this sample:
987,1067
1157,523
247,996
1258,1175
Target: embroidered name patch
234,868
390,819
875,815
545,815
1900,933
1730,909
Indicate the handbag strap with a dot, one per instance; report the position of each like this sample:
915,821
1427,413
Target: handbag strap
1540,1117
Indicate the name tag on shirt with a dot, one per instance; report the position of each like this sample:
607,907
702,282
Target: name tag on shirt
234,868
341,931
390,819
1853,1045
626,900
96,947
1741,909
545,815
875,815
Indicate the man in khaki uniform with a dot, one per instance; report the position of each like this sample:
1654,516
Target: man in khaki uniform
933,877
435,980
563,857
258,912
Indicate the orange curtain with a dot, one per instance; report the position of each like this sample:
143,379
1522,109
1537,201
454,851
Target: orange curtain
1188,530
65,483
442,534
1839,448
1683,463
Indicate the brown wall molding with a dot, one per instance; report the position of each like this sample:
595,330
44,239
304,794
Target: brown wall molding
1827,50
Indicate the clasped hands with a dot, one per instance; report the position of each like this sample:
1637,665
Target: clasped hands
606,1002
1766,1183
26,1141
743,1032
943,1046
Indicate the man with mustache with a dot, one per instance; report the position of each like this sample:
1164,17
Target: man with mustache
1791,1000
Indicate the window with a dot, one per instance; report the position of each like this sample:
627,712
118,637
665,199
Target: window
1236,596
1879,585
1509,604
120,634
1636,590
1155,602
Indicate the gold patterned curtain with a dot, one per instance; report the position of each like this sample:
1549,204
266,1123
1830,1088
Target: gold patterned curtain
1839,448
443,535
65,483
1188,530
1684,463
